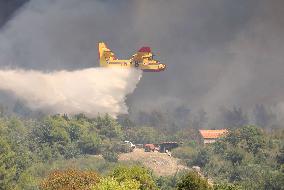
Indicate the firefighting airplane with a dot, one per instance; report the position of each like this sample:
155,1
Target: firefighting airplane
143,60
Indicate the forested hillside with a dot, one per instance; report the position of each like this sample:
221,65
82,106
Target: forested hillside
32,149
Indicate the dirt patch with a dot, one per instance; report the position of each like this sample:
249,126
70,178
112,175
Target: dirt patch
160,163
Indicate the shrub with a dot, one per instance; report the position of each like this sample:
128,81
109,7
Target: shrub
225,186
193,181
184,152
201,158
137,173
110,156
235,156
69,180
112,184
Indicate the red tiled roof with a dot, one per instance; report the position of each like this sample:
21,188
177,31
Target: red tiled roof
213,134
145,49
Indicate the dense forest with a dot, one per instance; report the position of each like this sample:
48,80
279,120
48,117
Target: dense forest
43,152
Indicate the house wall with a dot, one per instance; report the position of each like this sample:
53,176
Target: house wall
209,141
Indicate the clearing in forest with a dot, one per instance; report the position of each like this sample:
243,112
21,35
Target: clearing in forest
160,163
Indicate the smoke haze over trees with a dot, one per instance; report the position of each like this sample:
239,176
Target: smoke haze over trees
222,56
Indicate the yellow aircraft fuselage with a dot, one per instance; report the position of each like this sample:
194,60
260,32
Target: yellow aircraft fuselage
143,60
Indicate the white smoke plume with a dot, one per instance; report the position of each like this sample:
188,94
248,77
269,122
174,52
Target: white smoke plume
47,55
89,91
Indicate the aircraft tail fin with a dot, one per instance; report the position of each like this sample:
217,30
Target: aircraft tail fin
144,50
105,54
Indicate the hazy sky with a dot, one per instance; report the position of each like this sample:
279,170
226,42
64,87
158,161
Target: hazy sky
218,52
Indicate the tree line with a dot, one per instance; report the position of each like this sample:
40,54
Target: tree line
248,158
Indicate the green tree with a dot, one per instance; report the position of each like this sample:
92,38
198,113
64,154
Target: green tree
253,137
249,137
110,156
108,127
52,130
75,130
235,156
233,137
274,180
219,147
225,186
137,173
7,166
89,143
110,183
201,158
168,182
280,156
193,181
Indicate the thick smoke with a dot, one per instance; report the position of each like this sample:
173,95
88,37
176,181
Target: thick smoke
7,7
221,53
44,52
88,91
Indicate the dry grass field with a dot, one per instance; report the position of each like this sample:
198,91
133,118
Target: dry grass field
160,163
